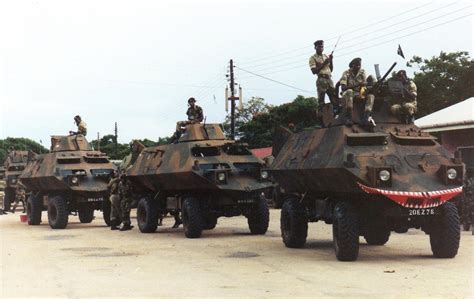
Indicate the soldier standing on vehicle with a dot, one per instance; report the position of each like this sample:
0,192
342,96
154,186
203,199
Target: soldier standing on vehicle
353,84
20,196
81,126
125,192
115,210
406,109
322,66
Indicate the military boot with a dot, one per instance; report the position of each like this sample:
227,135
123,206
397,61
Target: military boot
114,227
126,226
409,119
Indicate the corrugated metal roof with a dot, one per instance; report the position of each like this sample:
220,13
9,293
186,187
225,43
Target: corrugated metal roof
455,117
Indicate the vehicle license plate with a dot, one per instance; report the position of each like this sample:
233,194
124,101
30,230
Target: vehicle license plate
421,212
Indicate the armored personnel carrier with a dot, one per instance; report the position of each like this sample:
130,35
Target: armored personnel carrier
72,178
2,172
14,165
367,181
199,178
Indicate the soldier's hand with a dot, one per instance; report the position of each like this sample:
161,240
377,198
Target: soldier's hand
330,57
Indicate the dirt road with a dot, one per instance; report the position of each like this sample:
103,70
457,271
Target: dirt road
89,260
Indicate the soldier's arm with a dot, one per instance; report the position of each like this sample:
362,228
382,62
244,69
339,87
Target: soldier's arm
411,91
343,82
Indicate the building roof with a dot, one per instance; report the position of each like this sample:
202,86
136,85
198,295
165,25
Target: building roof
262,152
456,117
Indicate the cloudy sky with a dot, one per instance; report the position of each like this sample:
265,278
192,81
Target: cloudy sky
137,62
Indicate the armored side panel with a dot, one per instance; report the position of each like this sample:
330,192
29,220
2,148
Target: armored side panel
69,143
193,163
14,165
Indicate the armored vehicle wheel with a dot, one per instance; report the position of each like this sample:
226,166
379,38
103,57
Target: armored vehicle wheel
106,208
345,231
210,222
57,212
293,223
147,215
8,199
446,233
86,215
259,217
192,218
33,210
376,236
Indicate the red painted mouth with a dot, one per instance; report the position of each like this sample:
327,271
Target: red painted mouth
415,200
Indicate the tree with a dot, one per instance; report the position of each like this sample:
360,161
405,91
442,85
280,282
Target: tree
23,144
256,122
443,80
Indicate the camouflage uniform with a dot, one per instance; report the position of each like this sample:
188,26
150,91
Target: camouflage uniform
20,196
82,128
406,107
115,211
355,82
195,116
125,192
324,82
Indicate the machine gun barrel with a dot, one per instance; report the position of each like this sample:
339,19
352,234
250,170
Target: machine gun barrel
388,72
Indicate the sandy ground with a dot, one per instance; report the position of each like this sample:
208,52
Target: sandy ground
89,260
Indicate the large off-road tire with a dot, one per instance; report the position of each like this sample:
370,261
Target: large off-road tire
345,231
106,208
193,219
8,199
210,222
86,215
34,207
293,223
58,213
259,218
376,235
147,215
446,233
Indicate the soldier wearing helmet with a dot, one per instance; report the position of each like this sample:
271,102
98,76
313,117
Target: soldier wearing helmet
405,107
195,116
81,126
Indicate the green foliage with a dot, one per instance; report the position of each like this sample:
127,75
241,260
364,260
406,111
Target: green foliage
443,80
23,144
119,151
257,120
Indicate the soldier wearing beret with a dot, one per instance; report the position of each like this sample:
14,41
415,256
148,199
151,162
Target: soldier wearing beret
81,126
322,66
353,83
407,107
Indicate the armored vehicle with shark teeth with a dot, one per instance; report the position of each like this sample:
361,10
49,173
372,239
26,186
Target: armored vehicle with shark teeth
367,181
71,179
199,178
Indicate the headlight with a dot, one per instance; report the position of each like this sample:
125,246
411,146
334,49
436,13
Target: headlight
264,174
74,180
384,175
221,177
13,181
452,173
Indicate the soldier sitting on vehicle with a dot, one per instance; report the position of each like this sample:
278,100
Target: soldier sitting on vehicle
195,116
404,101
353,84
81,126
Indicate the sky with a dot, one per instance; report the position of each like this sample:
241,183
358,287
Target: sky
137,62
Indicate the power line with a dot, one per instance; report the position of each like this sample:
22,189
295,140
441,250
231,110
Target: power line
275,81
368,47
344,33
345,41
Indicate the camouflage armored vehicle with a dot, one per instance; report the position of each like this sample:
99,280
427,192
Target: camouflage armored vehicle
14,165
71,178
201,177
367,182
2,172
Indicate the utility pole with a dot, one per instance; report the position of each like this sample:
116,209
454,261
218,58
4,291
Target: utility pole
116,135
98,141
232,101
